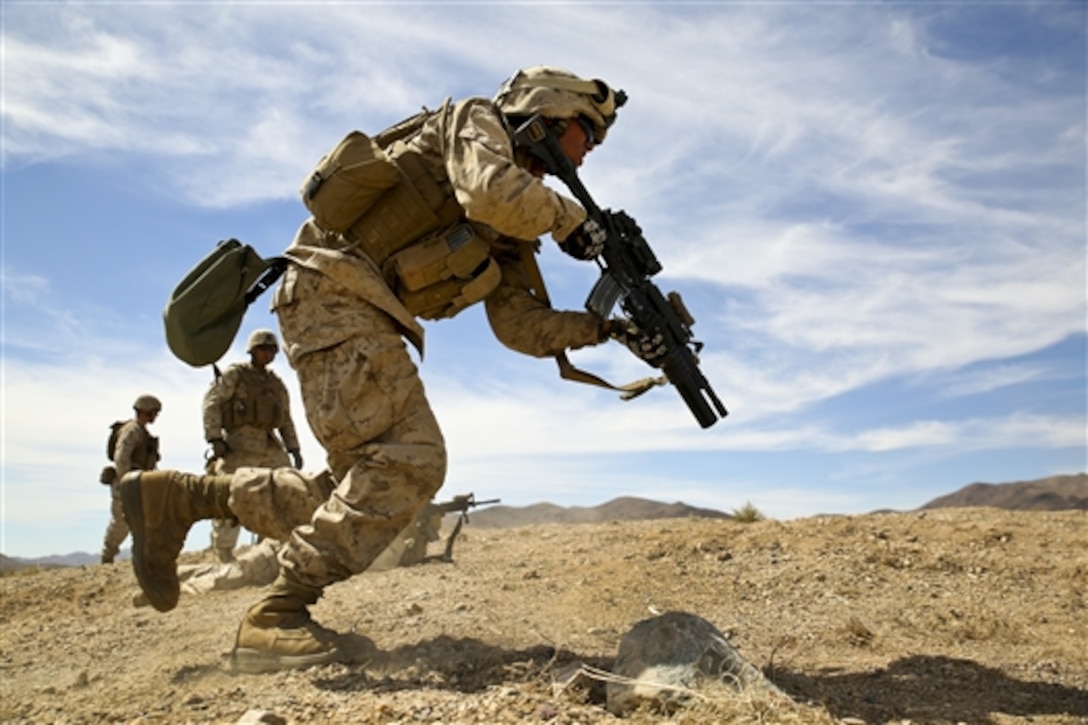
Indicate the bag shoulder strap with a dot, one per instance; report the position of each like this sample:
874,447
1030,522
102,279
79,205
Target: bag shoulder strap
567,369
276,267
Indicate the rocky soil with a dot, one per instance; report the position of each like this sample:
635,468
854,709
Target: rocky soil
968,615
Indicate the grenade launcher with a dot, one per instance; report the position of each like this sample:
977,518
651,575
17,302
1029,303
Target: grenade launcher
627,265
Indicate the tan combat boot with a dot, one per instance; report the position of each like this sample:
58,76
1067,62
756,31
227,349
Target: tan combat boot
161,507
278,634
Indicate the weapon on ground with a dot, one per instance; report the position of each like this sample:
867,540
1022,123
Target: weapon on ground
627,265
461,504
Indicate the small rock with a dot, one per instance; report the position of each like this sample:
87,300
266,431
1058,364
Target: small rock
547,711
665,657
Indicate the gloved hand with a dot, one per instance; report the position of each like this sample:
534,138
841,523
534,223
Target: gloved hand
651,350
220,448
296,459
585,242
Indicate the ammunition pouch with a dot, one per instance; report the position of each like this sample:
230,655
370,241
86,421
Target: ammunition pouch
444,273
258,412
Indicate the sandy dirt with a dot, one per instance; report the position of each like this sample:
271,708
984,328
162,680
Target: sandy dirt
943,616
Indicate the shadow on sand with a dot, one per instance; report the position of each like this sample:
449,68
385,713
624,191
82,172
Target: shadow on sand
932,689
921,688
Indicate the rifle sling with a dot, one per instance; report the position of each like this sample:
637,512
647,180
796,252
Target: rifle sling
567,370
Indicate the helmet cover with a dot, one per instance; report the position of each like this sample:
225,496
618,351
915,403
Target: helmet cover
262,338
559,94
147,404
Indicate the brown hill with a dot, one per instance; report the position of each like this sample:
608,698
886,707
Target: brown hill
1057,493
624,508
972,615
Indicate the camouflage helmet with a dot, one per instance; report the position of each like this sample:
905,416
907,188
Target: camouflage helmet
557,93
262,338
147,404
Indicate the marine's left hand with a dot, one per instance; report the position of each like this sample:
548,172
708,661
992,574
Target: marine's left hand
649,349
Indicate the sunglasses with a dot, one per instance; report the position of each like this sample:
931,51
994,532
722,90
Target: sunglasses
588,129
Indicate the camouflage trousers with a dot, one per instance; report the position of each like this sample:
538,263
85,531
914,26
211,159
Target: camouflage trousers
117,529
367,408
249,447
256,566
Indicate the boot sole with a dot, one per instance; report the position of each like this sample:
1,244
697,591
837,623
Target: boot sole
255,662
132,503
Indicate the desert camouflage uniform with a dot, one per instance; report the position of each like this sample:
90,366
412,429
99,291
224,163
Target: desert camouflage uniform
245,407
343,330
257,565
135,449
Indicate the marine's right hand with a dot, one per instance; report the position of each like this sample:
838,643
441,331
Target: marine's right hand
585,242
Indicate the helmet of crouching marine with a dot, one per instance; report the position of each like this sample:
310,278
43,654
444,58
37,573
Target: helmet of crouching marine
557,93
262,338
147,404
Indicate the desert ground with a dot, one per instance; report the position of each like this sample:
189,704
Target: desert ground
959,615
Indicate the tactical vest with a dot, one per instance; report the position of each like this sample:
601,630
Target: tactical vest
146,457
255,403
410,224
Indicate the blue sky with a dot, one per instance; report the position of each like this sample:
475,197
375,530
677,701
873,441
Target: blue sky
875,211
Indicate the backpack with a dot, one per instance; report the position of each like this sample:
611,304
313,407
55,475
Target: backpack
380,197
109,473
347,181
355,174
206,308
111,442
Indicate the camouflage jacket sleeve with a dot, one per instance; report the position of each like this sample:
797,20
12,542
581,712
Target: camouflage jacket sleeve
287,431
489,184
525,324
218,393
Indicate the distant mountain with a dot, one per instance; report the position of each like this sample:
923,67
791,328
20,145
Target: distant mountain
1056,493
77,558
625,508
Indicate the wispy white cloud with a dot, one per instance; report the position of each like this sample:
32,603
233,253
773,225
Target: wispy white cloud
962,384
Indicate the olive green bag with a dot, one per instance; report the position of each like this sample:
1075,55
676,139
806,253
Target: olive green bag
206,308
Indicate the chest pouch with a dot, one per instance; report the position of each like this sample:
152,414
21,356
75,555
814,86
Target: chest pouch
347,181
444,273
267,413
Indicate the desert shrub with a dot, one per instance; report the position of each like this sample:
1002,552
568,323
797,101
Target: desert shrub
747,514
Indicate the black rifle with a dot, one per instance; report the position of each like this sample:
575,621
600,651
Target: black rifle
627,264
462,504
